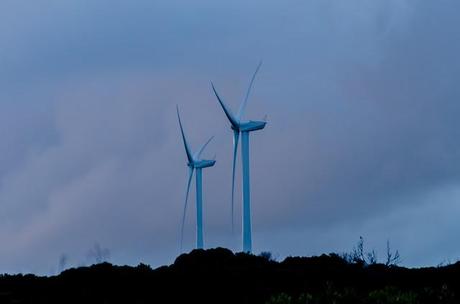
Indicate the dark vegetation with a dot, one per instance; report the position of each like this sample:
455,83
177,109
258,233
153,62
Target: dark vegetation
220,276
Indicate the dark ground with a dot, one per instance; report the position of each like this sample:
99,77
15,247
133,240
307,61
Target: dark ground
220,276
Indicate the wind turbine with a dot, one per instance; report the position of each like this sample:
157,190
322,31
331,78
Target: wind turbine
244,127
194,163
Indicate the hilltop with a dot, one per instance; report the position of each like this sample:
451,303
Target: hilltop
221,276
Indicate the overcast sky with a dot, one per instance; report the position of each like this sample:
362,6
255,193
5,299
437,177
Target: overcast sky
363,135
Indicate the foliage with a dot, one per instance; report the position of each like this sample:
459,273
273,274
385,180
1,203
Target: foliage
392,295
267,255
359,256
221,276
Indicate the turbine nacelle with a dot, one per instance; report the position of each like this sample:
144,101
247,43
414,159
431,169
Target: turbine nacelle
252,126
200,164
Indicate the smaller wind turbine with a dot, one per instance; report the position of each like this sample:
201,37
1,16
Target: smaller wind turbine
194,163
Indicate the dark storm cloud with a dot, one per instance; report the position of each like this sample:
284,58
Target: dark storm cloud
361,99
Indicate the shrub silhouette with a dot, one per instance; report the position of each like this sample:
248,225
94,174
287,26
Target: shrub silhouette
221,276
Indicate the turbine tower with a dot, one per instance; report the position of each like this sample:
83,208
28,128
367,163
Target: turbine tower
194,163
244,127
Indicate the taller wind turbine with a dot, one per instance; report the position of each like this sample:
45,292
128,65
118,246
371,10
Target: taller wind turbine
244,127
194,163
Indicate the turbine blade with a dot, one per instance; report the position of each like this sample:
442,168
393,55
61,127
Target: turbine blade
190,175
236,135
198,154
227,111
239,116
187,148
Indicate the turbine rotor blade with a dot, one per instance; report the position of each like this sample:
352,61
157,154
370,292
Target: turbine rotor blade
198,154
190,175
240,113
187,148
227,111
236,135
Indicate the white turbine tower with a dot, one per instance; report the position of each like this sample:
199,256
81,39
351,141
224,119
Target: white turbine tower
244,127
194,163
